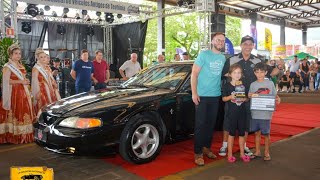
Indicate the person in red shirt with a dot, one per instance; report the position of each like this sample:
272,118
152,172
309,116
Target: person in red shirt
101,71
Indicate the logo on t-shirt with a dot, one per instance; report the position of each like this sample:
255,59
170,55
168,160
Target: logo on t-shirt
86,67
263,91
239,92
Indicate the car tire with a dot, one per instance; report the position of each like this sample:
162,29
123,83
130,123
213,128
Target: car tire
142,139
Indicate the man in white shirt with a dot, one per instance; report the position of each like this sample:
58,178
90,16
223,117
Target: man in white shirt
131,67
294,66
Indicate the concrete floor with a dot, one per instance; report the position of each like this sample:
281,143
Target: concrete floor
295,158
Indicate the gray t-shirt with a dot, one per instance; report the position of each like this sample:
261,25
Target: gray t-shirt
131,68
265,87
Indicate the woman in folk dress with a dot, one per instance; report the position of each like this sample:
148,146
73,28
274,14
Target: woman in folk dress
56,95
41,86
17,112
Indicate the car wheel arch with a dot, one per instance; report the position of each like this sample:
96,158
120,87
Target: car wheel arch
148,118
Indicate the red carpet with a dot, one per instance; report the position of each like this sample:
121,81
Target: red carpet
288,120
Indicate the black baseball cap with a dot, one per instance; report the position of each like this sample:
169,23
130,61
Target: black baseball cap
56,60
246,38
295,56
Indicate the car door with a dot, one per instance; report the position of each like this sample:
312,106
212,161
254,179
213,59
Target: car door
185,114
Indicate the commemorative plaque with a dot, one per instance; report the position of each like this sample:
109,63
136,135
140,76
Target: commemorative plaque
263,102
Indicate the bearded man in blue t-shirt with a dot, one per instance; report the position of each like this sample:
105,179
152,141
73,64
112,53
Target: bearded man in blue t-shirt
206,92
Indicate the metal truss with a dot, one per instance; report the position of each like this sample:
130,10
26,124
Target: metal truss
108,44
205,30
312,23
61,19
286,4
303,15
7,10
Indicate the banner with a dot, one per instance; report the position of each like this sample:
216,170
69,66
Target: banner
229,47
93,5
280,51
268,40
254,34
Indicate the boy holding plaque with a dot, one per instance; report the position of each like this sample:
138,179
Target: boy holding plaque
262,112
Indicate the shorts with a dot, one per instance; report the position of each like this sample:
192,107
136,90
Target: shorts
261,124
227,121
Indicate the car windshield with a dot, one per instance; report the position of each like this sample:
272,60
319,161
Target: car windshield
164,77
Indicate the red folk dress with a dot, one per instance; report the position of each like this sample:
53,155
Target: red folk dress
17,118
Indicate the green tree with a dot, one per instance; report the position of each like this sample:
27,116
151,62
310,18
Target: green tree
233,29
181,31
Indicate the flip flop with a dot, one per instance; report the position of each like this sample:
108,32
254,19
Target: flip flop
267,158
255,156
232,159
245,159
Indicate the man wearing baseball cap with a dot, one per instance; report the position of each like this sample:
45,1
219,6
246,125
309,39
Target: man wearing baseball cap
247,61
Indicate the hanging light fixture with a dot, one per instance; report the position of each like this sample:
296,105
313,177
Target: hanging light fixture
77,16
61,29
32,10
26,27
47,8
54,14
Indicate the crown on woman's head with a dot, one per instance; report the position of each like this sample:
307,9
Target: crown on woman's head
39,51
13,47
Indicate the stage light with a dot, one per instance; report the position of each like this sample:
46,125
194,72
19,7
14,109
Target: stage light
61,29
84,12
26,27
87,18
65,10
119,16
47,8
54,14
32,10
41,12
109,17
77,16
98,13
90,31
185,2
64,15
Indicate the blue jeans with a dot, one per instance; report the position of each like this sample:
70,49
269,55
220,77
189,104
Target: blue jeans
305,78
206,117
317,81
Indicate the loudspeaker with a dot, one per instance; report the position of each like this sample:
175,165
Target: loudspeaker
218,23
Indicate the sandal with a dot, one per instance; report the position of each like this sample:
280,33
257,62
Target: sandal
267,158
208,153
232,159
245,158
255,156
198,159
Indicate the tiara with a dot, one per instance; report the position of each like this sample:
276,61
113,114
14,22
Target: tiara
13,47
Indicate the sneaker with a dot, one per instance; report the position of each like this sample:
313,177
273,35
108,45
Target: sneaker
247,151
223,151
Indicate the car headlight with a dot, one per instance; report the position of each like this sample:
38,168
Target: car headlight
81,123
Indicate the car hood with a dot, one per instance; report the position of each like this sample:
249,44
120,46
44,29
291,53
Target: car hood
109,96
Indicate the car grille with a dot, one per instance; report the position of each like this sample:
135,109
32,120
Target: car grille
47,119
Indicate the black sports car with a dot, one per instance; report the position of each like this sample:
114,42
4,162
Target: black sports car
149,109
